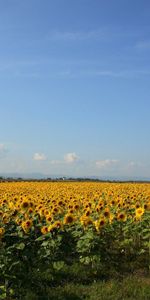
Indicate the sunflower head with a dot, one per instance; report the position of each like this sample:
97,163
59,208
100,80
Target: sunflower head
147,206
121,217
44,230
69,219
139,212
57,224
99,224
2,231
26,225
49,218
30,210
106,212
86,221
25,204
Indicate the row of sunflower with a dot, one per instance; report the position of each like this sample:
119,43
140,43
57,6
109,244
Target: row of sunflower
58,204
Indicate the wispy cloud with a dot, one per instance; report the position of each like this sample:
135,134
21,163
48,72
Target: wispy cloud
143,45
134,165
39,156
91,73
3,150
68,69
104,33
2,147
106,163
77,35
124,73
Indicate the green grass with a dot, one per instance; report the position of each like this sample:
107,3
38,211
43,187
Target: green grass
129,288
78,282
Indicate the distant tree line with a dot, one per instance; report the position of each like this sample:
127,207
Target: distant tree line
67,179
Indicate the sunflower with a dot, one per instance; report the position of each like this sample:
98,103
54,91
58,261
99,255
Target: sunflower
58,224
26,225
111,218
18,221
46,213
121,217
76,206
147,206
32,204
137,205
55,210
60,203
86,220
113,202
50,228
41,212
49,218
87,212
25,204
99,223
11,205
69,219
106,212
102,222
55,225
139,212
6,218
14,213
96,223
2,231
44,229
71,211
97,208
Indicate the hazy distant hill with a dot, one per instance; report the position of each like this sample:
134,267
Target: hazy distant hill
43,176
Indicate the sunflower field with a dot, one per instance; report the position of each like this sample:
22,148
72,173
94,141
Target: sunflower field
47,227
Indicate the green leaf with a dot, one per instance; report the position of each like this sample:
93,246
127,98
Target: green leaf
3,296
43,237
147,244
20,246
147,236
146,230
142,251
14,264
20,234
58,265
45,243
2,288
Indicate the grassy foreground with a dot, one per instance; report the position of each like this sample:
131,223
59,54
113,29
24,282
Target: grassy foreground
76,282
80,283
130,288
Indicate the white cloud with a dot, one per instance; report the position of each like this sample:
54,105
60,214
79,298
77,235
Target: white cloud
3,150
102,164
2,147
39,156
133,164
71,157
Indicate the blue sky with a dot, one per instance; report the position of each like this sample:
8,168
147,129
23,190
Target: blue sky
75,87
